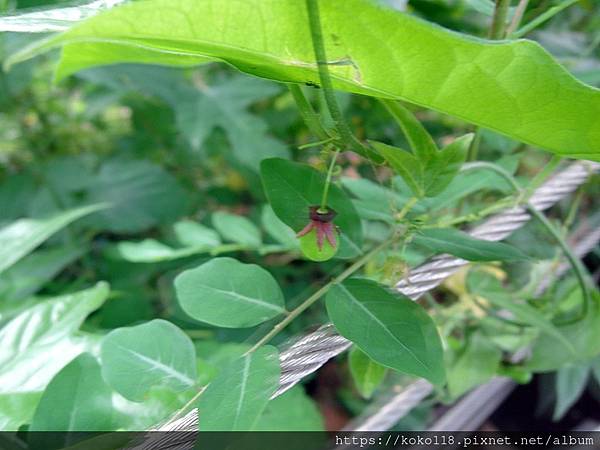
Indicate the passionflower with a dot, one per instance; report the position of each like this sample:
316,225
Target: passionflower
318,239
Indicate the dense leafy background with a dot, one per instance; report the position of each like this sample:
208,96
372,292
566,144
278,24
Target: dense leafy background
122,187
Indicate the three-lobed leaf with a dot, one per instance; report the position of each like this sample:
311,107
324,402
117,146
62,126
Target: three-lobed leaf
514,87
427,176
156,353
227,293
390,328
236,398
458,243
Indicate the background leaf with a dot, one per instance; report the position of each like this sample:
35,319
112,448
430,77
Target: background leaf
291,411
200,108
141,194
156,353
228,293
291,188
550,353
236,229
235,400
77,399
490,288
458,243
194,234
535,100
366,373
391,329
570,383
41,340
17,409
21,237
476,364
29,274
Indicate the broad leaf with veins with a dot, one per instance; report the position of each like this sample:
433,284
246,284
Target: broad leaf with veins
514,87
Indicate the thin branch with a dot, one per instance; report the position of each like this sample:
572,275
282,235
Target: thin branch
498,29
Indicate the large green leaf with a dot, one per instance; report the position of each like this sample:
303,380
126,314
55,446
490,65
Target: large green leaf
457,243
39,341
156,353
292,188
391,329
21,237
228,293
77,399
236,398
515,87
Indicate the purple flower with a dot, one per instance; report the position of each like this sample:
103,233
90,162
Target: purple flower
322,222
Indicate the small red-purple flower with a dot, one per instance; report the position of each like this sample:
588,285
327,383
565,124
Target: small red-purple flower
322,223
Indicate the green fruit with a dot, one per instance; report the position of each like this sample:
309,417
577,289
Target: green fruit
309,248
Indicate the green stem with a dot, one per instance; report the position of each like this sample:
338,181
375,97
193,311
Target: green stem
309,115
342,127
472,217
573,260
498,29
323,205
543,175
518,17
474,147
542,18
319,293
406,208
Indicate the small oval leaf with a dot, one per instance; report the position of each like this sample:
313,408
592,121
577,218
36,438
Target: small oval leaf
156,353
227,293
